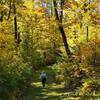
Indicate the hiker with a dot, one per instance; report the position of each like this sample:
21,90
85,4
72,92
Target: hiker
43,78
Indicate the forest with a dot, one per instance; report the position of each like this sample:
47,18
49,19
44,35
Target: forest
58,37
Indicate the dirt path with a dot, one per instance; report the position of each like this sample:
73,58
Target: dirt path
52,91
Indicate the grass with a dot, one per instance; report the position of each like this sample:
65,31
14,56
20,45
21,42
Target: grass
52,91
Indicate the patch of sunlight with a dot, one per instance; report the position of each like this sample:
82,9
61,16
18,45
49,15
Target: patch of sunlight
37,84
53,93
66,93
71,98
43,93
56,86
44,97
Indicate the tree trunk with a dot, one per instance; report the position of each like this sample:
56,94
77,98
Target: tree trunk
9,13
17,34
87,34
15,22
61,29
1,16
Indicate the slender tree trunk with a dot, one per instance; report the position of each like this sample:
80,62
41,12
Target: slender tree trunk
65,40
1,16
61,10
61,29
15,21
9,10
17,34
51,9
87,34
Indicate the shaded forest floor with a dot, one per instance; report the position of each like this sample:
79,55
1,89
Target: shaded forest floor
52,91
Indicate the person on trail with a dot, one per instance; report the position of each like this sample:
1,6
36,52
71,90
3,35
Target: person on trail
43,78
